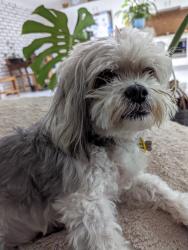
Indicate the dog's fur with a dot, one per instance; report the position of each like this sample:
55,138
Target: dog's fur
73,165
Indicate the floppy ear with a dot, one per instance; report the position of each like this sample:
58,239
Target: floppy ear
69,123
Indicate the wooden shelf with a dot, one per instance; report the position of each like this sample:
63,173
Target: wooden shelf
79,5
14,89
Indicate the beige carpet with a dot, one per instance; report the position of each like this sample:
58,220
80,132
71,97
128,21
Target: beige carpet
145,228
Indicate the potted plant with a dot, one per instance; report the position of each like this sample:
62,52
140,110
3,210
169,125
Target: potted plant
137,12
56,34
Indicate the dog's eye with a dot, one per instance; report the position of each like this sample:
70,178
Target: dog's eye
104,78
149,70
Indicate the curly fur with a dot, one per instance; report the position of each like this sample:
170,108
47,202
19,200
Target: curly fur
82,157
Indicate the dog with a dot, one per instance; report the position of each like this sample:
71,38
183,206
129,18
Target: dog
74,165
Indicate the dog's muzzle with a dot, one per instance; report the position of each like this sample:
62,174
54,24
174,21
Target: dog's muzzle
137,98
136,93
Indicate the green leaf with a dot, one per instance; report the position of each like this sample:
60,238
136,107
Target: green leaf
126,3
45,13
31,26
85,19
53,81
39,60
58,42
36,44
174,43
42,75
61,21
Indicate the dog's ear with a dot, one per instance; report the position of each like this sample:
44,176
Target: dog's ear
69,122
117,33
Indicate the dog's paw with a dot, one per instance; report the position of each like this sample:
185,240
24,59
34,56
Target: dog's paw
180,208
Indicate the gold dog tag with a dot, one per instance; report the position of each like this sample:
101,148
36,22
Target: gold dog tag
145,145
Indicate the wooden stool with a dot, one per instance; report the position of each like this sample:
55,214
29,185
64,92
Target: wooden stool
18,67
12,79
34,81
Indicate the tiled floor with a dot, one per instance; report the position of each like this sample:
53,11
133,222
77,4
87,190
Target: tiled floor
28,94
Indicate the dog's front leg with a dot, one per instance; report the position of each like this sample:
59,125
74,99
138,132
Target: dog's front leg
91,222
151,189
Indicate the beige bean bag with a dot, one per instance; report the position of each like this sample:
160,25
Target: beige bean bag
147,229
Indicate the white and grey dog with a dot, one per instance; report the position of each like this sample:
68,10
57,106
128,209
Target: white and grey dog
72,166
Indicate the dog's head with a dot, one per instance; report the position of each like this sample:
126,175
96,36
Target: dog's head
111,87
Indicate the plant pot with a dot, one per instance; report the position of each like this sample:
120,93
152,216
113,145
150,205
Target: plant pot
138,23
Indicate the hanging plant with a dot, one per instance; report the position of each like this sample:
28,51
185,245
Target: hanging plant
52,48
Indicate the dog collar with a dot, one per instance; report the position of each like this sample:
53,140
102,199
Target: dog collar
145,145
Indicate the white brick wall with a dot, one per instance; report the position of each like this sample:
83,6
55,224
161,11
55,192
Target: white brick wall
12,17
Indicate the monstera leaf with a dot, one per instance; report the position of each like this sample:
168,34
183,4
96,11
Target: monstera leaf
56,43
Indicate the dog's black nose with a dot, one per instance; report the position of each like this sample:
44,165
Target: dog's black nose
136,93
